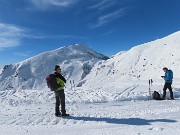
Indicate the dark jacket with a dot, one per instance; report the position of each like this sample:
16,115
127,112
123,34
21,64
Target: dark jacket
59,81
55,81
60,76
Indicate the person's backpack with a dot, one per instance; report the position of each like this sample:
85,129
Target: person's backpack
51,82
170,74
156,95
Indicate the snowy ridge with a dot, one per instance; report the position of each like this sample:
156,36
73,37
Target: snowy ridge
76,62
142,62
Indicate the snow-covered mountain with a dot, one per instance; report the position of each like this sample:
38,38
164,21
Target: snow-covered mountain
139,63
1,70
142,62
76,62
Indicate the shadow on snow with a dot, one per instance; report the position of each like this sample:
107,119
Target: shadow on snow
127,121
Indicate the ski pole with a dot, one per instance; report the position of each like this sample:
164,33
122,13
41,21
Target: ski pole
74,85
151,82
71,85
150,89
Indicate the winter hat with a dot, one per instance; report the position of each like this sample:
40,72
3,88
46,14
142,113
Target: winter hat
165,68
56,67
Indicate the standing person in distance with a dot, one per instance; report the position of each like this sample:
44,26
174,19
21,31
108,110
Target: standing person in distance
59,93
168,82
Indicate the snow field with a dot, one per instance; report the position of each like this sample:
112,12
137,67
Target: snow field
126,112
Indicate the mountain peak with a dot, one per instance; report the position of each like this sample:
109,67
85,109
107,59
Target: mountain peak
78,49
76,62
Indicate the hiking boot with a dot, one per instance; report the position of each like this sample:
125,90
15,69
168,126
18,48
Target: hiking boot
65,115
171,98
58,114
163,98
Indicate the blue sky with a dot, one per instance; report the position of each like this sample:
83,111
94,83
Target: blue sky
30,27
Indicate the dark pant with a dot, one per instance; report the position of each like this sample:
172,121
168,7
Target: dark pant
60,99
167,86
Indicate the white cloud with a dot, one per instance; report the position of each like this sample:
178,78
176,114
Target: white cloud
45,4
70,36
10,35
21,54
105,19
103,4
45,36
108,33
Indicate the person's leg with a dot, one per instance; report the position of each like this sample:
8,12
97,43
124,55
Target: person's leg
57,112
170,90
164,90
62,101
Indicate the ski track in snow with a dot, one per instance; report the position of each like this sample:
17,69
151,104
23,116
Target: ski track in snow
128,90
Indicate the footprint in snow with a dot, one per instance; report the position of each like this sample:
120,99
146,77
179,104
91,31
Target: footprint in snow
156,129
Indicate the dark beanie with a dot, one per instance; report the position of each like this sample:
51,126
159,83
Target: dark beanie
165,68
56,67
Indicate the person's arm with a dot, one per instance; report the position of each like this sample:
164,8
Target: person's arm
54,83
62,77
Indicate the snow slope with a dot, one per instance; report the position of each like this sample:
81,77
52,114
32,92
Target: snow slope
142,62
76,62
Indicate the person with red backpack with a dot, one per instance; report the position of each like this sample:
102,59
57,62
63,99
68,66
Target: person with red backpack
56,82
